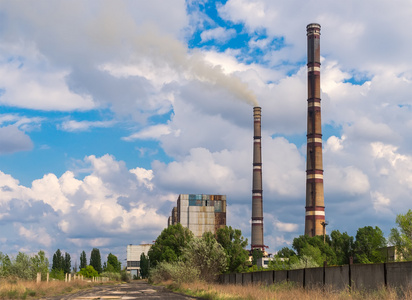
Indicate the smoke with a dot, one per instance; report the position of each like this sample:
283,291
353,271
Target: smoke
164,50
167,50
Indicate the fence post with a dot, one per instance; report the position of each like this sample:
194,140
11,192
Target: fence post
38,279
47,277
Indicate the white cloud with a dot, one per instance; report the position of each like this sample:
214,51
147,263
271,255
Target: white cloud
286,227
38,235
219,34
72,125
152,132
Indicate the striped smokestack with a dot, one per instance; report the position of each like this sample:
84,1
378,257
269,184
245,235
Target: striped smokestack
257,206
315,205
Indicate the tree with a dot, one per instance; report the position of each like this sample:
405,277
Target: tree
343,246
95,260
83,260
58,260
402,238
256,254
234,245
67,264
21,267
206,255
368,243
113,264
40,264
315,248
144,266
169,244
5,264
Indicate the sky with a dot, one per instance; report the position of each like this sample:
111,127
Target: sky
110,109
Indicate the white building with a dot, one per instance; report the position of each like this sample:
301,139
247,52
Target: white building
133,257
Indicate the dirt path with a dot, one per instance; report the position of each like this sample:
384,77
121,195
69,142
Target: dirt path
133,290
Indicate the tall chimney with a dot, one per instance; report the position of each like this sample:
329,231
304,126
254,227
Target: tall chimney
257,206
315,205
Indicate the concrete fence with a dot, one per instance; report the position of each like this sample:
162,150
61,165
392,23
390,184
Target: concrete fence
356,277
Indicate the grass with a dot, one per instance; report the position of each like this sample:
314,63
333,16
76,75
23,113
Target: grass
16,289
285,291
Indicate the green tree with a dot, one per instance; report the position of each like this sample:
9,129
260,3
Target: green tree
83,260
256,254
144,265
21,267
315,248
368,243
88,272
343,245
5,264
402,238
67,263
40,264
95,260
169,244
234,245
113,264
58,260
206,255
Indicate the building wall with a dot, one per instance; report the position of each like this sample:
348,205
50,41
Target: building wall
200,213
133,257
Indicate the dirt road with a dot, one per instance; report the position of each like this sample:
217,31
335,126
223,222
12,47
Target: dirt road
133,290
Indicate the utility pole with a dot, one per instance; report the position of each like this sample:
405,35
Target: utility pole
324,224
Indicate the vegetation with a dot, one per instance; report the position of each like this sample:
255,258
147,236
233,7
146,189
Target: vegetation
284,291
201,259
144,266
169,244
83,260
88,272
95,260
234,245
113,265
402,238
24,266
61,265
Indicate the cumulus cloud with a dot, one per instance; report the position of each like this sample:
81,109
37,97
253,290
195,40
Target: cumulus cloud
12,140
219,34
72,125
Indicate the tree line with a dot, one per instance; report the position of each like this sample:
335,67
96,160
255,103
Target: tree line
177,255
26,267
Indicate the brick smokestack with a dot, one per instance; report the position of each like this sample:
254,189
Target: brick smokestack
257,205
315,205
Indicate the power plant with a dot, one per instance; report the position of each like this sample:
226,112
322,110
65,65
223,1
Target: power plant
202,213
257,203
315,204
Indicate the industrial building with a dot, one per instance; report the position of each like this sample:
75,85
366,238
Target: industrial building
315,204
200,213
133,258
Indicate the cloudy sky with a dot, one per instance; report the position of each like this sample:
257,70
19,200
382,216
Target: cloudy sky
110,109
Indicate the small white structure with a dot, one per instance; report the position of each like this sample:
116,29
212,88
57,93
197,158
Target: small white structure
133,257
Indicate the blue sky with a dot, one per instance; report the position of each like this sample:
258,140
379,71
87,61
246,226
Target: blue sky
109,110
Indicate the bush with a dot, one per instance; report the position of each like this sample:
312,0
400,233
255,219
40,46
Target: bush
113,276
124,276
57,274
88,272
178,272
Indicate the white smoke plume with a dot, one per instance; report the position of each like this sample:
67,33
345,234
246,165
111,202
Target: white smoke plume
147,43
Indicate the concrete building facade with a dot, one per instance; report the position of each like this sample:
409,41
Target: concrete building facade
199,213
133,258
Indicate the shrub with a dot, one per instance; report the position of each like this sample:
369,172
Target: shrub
113,276
124,276
88,272
178,272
